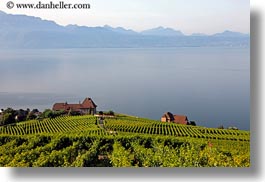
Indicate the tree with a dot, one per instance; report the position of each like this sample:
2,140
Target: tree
47,113
35,111
31,115
193,123
10,110
111,113
74,113
8,116
21,115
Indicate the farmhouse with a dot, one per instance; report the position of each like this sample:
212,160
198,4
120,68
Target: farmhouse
86,107
170,118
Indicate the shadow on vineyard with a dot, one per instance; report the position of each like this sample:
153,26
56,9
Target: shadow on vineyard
124,141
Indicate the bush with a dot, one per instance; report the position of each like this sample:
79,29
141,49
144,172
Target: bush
111,113
192,123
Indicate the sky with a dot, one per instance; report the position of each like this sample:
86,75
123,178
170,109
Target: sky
189,16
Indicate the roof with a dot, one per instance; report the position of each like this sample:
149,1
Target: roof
87,104
169,116
180,119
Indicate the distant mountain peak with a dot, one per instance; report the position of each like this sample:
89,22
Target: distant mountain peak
107,26
120,30
160,27
34,32
72,25
161,31
228,33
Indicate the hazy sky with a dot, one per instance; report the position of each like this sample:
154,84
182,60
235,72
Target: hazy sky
189,16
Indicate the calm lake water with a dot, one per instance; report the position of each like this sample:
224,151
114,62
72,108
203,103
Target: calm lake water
209,85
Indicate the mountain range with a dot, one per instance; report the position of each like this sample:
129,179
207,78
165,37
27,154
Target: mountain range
21,31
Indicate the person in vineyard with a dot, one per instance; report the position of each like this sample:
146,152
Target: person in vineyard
101,122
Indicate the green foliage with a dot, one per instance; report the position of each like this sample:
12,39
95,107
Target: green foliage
120,156
77,141
31,115
73,113
110,112
8,116
13,116
120,151
193,123
47,113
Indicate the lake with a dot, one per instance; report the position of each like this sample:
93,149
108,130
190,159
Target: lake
209,85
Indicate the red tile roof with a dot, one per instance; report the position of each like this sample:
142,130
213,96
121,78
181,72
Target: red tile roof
180,119
87,104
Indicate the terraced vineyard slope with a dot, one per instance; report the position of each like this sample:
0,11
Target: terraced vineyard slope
122,125
123,141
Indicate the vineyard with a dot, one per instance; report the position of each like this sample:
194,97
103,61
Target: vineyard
54,126
76,141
